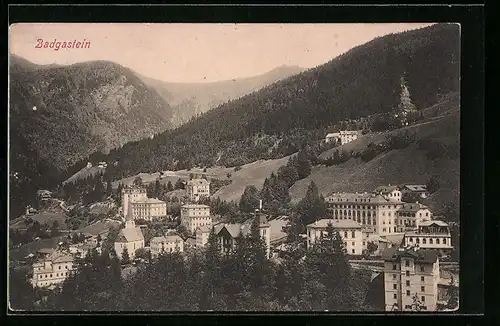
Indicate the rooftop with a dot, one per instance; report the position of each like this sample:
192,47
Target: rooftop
352,197
412,207
167,238
337,224
416,187
148,201
198,182
420,255
130,235
195,206
433,222
386,189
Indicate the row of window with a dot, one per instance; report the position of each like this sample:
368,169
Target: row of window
431,240
395,286
57,275
395,267
422,278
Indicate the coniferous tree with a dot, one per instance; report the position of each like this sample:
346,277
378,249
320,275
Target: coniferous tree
303,164
170,187
125,256
312,206
249,201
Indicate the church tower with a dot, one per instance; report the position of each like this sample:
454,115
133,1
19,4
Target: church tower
129,222
264,229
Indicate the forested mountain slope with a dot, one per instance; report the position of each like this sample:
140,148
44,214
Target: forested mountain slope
281,118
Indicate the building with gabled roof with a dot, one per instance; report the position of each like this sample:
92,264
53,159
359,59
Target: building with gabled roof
130,237
391,193
167,243
194,216
197,189
53,269
228,234
350,231
411,277
430,235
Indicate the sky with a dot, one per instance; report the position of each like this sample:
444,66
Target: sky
196,52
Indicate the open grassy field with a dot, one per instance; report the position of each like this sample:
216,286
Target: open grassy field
250,174
409,165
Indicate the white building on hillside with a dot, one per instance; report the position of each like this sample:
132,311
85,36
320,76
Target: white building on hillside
391,193
411,278
197,189
52,270
430,235
193,216
132,194
147,209
130,237
349,230
166,244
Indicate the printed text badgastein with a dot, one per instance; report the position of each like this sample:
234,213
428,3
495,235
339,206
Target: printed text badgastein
56,45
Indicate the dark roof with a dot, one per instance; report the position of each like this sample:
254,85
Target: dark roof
420,255
386,189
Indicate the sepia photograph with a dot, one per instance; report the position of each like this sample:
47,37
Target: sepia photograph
251,167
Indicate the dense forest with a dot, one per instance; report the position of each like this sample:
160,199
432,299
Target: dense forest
61,114
284,117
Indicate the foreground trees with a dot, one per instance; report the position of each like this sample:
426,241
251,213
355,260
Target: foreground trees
241,279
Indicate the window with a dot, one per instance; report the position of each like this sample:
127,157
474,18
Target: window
395,296
407,282
393,276
444,241
407,293
407,263
423,298
418,240
50,275
345,234
422,269
422,278
411,239
394,267
395,286
422,289
430,240
353,243
407,273
437,241
59,267
424,240
353,234
353,251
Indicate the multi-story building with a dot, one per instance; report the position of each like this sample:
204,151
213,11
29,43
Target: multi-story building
132,194
168,243
202,233
52,270
411,277
197,189
193,216
410,215
415,190
147,209
228,234
350,231
391,193
343,137
430,235
370,210
130,237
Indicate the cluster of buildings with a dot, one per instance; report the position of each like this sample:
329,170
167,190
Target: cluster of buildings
381,217
343,137
55,265
404,233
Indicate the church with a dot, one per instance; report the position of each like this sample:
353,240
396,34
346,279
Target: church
130,237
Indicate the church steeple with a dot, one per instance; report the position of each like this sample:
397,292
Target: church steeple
129,221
